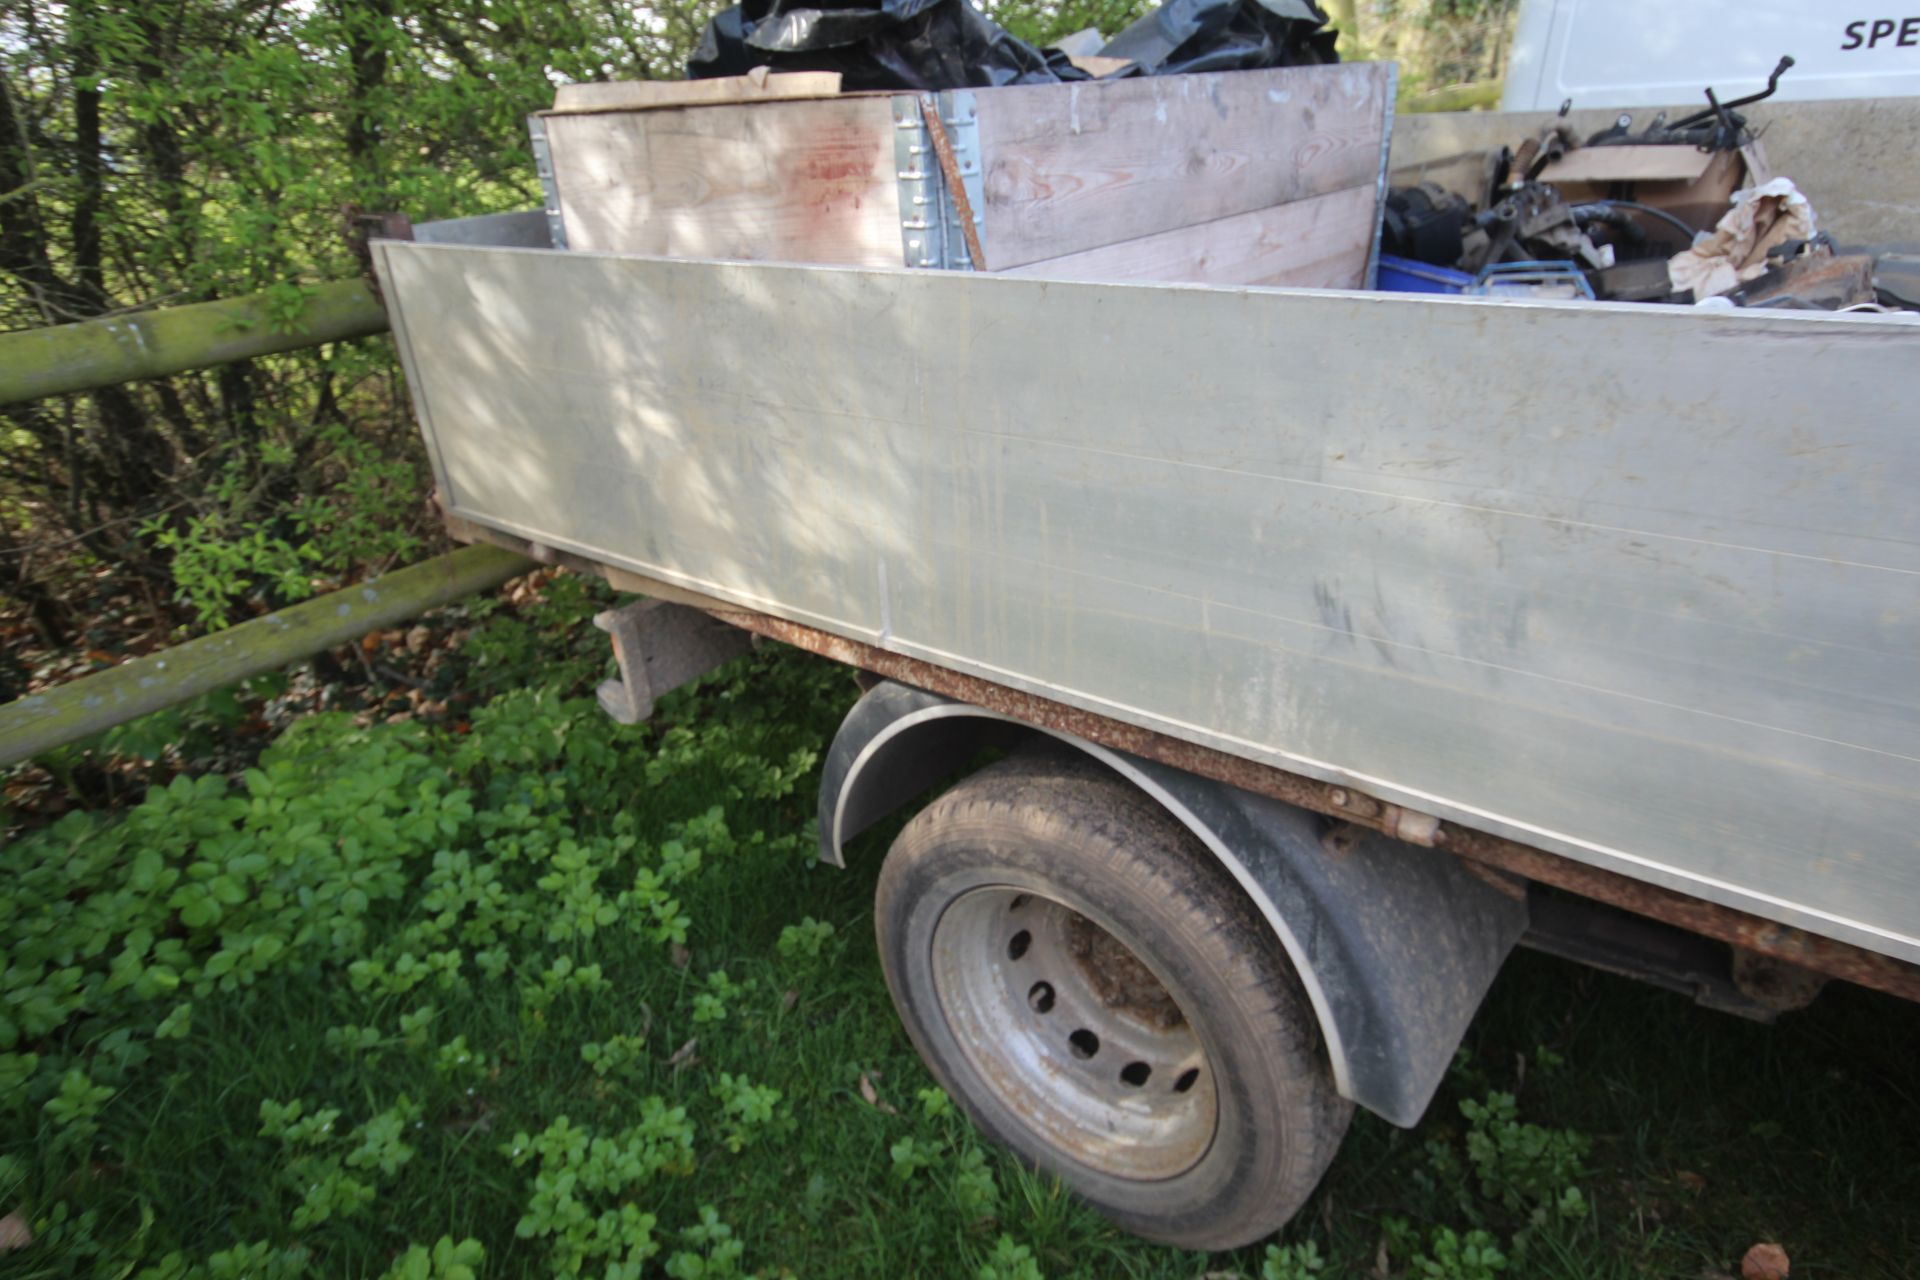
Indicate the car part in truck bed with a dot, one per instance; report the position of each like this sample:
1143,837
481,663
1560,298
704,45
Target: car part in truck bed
1663,626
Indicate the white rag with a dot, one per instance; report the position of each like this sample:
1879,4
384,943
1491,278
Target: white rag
1735,251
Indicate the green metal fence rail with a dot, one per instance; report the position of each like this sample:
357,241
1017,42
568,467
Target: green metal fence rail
152,344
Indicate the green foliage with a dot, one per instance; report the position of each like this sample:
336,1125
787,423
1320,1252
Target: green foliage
445,1261
260,1260
156,154
442,1045
711,1005
378,861
287,1122
715,1254
805,939
1436,42
1474,1257
910,1155
1042,22
578,1170
546,644
221,553
1009,1261
1291,1261
746,1110
614,1055
75,1108
1523,1165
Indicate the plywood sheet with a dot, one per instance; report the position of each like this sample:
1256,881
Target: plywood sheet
1322,242
1069,167
806,181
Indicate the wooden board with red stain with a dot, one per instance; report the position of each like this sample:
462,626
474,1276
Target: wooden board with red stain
804,181
1182,178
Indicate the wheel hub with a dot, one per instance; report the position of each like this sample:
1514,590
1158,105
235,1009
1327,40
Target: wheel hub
1074,1033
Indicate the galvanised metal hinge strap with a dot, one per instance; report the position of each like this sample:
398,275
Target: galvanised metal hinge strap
931,233
543,165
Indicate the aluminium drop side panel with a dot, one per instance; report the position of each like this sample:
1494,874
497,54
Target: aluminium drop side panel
1637,585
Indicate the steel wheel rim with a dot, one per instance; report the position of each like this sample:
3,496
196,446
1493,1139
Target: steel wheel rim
1074,1034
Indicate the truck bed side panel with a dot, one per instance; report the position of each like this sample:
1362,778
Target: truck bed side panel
1635,585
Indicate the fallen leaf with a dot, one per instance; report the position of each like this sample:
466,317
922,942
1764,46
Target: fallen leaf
1764,1262
683,1057
789,998
370,642
419,640
14,1233
680,956
872,1096
1691,1181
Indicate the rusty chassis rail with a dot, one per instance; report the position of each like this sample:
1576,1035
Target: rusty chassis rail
1745,932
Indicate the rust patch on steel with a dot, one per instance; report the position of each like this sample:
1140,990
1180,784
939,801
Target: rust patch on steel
1117,976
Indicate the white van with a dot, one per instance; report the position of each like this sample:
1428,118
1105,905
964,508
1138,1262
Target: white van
1635,53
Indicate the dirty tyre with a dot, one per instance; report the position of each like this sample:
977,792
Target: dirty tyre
1101,997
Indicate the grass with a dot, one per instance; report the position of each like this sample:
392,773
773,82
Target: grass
134,1139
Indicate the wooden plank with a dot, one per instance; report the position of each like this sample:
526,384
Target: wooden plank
1318,243
1629,164
798,181
1069,167
758,85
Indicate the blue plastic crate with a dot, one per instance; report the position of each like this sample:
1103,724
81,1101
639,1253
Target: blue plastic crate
1403,275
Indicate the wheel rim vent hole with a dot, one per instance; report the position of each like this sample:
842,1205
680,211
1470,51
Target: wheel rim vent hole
1085,1044
1187,1080
1135,1073
1017,945
1040,997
